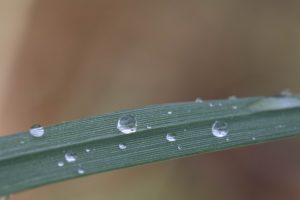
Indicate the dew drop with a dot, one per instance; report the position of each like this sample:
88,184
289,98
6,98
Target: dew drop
199,100
170,113
227,139
127,124
179,147
60,163
88,150
122,146
80,171
170,137
220,129
211,105
253,138
70,157
220,104
149,127
234,107
37,130
22,142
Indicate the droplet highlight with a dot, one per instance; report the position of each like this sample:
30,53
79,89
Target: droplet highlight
81,171
70,157
122,146
170,112
170,137
127,124
60,163
37,131
220,129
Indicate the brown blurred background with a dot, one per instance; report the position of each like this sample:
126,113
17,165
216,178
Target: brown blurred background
66,59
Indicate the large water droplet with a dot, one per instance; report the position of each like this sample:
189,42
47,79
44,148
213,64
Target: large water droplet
220,129
80,171
37,130
60,163
170,137
199,100
122,146
70,157
127,124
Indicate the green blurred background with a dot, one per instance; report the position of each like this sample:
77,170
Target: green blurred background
67,59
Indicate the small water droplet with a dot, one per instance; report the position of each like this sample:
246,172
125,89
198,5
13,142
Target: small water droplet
211,105
22,142
80,171
234,107
149,127
253,138
184,130
60,163
127,124
122,146
170,113
179,147
232,97
227,139
286,92
70,157
88,150
199,100
220,104
37,130
170,137
220,129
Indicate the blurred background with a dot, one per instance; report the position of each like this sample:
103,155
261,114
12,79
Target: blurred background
66,59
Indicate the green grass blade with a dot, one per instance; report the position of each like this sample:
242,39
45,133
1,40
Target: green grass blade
27,162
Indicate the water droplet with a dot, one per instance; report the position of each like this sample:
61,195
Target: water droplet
211,105
234,107
60,163
184,130
170,137
70,157
253,138
227,139
286,92
179,147
149,127
22,142
170,113
232,97
122,146
127,124
199,100
220,104
5,197
88,150
220,129
80,171
37,130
